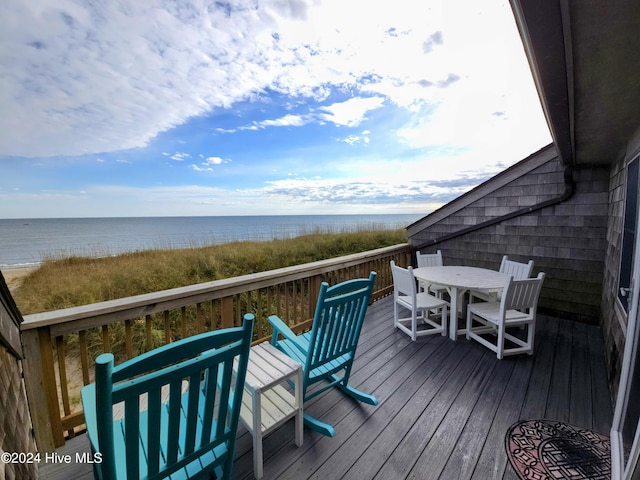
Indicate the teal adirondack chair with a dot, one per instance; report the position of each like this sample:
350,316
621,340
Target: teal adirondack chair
330,347
193,433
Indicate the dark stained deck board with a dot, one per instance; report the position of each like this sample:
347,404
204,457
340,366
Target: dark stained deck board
537,393
493,460
558,402
601,397
72,471
581,405
444,407
533,396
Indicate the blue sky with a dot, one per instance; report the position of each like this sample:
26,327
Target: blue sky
155,108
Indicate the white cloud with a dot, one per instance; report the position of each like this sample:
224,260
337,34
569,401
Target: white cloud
426,194
354,139
286,121
367,182
215,161
350,112
180,156
184,201
208,164
80,77
97,77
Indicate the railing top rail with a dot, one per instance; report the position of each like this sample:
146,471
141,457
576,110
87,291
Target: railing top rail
139,305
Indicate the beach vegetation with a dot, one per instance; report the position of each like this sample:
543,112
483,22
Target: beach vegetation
78,280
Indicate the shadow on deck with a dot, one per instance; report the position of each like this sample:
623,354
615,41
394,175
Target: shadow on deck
444,407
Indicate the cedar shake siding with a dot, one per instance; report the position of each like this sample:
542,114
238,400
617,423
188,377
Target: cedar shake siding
565,236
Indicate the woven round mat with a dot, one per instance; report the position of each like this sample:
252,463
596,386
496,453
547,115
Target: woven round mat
544,449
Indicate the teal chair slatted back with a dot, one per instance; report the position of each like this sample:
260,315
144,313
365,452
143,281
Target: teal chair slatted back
328,350
336,325
180,405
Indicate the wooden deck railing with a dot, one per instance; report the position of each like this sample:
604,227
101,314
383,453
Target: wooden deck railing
60,346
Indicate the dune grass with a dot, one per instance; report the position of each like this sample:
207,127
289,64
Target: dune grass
74,281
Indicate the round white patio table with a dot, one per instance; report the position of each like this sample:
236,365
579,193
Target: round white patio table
458,280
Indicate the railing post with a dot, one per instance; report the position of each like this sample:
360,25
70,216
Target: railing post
227,312
40,382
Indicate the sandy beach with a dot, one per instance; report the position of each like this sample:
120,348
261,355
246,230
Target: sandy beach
13,276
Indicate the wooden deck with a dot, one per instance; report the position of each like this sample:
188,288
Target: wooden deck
444,407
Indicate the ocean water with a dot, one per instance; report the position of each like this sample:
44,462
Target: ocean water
25,242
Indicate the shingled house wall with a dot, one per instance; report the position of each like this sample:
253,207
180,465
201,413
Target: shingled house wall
16,434
566,240
614,324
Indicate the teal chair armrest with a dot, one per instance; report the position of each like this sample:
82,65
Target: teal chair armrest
281,328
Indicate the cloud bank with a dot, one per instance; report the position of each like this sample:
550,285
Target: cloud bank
89,77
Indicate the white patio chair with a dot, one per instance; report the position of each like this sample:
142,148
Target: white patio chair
517,308
517,270
431,260
419,305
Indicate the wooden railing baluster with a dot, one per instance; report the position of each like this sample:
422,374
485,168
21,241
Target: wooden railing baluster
149,332
227,312
183,322
84,356
128,338
199,318
62,372
106,340
167,327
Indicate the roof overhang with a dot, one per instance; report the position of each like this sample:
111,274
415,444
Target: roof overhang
585,60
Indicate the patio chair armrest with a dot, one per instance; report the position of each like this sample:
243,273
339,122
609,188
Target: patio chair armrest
279,327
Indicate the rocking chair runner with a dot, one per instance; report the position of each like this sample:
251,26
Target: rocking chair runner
193,434
330,347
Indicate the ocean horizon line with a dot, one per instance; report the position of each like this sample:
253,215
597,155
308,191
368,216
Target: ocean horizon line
419,215
29,242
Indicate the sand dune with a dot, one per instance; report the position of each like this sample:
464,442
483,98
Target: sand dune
13,276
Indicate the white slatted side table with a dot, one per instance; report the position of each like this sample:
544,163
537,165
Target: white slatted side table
266,403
